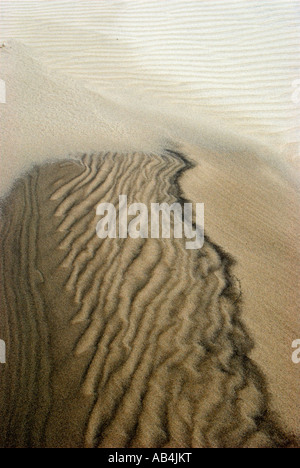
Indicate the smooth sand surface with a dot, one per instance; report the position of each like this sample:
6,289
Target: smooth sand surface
236,59
143,343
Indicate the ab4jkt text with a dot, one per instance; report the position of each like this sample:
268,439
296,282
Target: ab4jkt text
171,457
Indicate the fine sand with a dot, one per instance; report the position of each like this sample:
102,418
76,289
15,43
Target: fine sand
140,342
236,59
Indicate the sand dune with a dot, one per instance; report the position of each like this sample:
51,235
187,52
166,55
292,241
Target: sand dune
233,58
141,342
122,343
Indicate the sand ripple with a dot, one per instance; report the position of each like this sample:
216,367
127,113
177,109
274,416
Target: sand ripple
126,342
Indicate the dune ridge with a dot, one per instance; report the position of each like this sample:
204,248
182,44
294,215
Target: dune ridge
132,87
123,342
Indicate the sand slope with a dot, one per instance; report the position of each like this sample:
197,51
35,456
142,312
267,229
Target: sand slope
120,343
252,209
233,58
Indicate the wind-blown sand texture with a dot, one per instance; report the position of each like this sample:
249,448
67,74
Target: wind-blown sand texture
142,343
236,59
139,342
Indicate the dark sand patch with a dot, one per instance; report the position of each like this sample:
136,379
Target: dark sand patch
120,343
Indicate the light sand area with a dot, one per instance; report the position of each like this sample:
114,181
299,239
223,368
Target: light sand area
233,58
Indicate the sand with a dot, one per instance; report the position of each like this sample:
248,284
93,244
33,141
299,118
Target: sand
235,59
142,343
